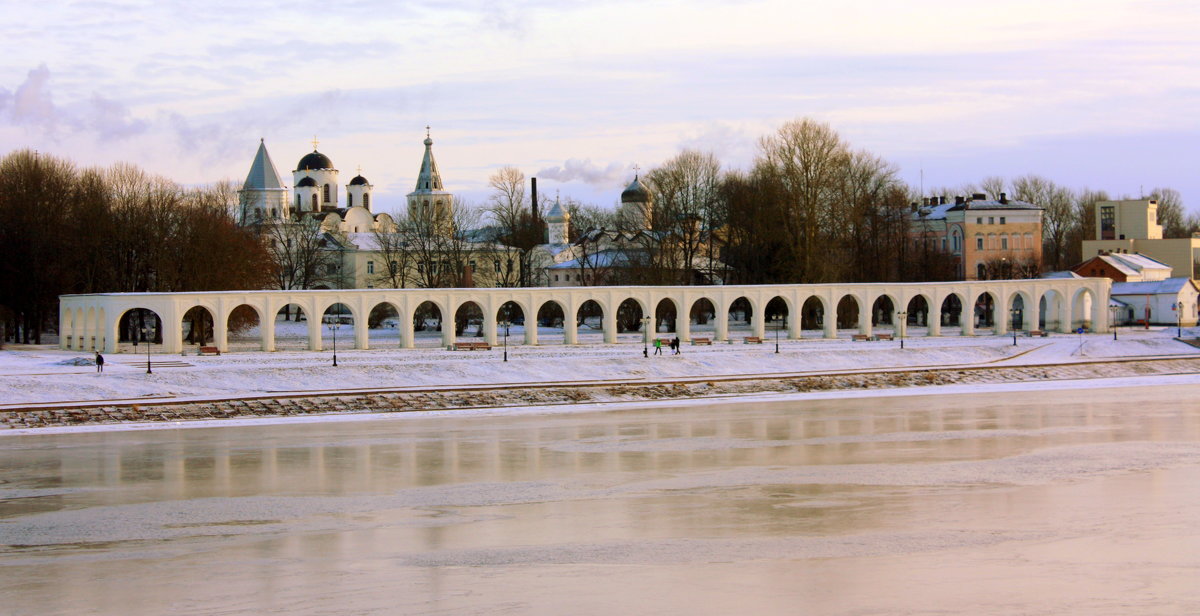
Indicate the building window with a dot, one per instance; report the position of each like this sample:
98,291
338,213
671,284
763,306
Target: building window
1001,220
556,278
1003,242
349,199
979,221
367,200
393,266
370,267
327,193
472,265
1108,222
297,202
980,272
991,220
978,242
496,264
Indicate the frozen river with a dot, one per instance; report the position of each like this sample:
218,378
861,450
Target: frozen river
1070,502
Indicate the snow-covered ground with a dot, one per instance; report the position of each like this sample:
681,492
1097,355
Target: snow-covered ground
43,374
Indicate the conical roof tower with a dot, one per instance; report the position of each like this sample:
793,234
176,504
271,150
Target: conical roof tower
263,196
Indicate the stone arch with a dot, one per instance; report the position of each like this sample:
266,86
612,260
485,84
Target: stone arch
918,312
1019,311
384,321
882,310
551,315
336,326
740,313
950,312
702,316
1082,304
629,315
666,314
812,313
244,324
1050,310
590,318
198,325
135,325
983,310
776,313
468,320
847,312
427,321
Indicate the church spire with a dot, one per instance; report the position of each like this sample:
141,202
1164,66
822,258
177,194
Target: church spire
429,178
263,175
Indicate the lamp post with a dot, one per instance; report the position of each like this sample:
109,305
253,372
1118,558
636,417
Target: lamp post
333,327
903,321
146,337
1015,311
1178,308
1112,310
645,336
506,323
777,328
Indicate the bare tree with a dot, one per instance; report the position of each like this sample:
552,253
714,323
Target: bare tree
686,192
397,258
514,232
1170,212
1059,215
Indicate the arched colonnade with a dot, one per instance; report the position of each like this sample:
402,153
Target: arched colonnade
90,322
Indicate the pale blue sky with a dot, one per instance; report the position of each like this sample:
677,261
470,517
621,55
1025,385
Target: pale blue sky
1099,93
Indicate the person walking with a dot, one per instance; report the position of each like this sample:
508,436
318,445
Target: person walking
658,346
675,345
99,362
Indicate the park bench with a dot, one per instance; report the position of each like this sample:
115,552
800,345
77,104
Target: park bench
752,340
471,346
860,337
209,350
1037,333
697,341
883,336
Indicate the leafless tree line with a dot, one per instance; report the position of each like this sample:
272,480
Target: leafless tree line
70,230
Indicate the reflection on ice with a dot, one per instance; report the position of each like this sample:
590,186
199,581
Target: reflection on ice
750,507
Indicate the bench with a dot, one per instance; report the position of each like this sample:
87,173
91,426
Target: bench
1037,333
471,346
883,336
209,350
752,340
860,337
707,341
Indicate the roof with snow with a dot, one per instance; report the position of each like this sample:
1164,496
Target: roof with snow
938,212
1133,264
1170,286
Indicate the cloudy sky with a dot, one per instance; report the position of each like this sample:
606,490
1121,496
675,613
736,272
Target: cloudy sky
1096,93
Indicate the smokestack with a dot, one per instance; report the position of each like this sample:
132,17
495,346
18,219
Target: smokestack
533,183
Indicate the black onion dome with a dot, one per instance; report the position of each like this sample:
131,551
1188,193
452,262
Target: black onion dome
307,181
635,193
314,160
358,181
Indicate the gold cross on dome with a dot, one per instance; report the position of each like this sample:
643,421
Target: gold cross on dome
315,142
426,131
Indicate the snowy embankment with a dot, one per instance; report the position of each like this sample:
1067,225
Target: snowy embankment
45,375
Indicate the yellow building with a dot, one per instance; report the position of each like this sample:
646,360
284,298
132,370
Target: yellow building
1131,226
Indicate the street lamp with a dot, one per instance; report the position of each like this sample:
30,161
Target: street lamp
333,327
506,323
645,336
782,321
1112,310
1178,308
146,337
1015,311
903,320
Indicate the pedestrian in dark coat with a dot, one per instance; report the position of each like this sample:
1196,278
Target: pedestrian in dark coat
99,362
675,345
